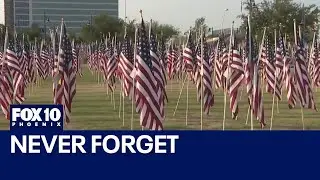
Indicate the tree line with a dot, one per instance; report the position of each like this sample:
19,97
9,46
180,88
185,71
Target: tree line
268,13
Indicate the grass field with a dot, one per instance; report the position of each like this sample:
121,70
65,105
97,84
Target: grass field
93,109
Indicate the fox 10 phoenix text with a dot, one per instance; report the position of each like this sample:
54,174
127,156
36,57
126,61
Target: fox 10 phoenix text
38,129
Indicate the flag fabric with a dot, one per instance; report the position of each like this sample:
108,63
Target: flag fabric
44,60
236,76
111,65
6,89
305,93
13,65
222,55
6,83
315,63
289,80
72,71
157,72
269,59
252,78
126,66
280,53
188,55
248,67
64,91
146,96
162,56
205,72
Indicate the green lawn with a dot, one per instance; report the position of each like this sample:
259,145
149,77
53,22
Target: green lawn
93,109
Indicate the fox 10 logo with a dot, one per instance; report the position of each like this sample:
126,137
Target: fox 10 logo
36,117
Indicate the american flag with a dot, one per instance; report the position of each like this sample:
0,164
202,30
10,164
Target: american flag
315,62
197,71
252,79
179,63
44,60
235,78
72,70
222,53
38,60
111,64
15,71
6,89
270,68
280,52
146,97
64,82
126,66
257,104
224,64
289,80
6,84
157,72
103,60
171,60
205,71
25,59
248,67
188,55
32,66
303,82
76,59
162,56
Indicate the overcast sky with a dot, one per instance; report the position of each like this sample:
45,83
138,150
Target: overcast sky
182,13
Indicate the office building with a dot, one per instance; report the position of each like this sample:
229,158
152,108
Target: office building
6,13
48,13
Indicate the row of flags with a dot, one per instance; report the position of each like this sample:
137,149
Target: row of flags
143,65
23,63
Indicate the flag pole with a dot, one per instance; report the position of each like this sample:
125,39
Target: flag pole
120,100
227,79
275,82
114,88
250,60
302,112
133,74
214,65
123,82
182,87
201,76
172,58
187,108
184,81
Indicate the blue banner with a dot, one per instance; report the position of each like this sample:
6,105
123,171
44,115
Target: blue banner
37,146
196,155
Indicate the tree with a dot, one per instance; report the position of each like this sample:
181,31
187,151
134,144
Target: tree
105,24
101,25
271,14
33,32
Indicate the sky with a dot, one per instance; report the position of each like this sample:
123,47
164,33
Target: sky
182,13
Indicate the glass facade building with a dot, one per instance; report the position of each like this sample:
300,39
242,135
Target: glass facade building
76,13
